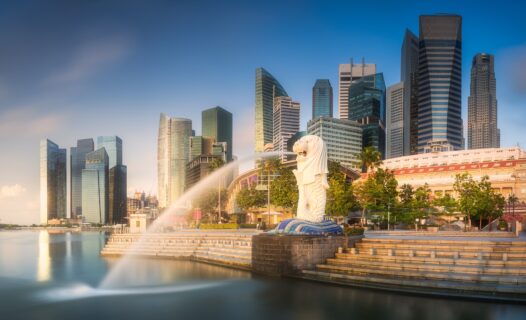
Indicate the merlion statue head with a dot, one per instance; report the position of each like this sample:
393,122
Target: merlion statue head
311,157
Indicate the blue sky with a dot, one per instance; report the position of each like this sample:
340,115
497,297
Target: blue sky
77,69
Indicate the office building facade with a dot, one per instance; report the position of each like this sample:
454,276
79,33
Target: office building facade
95,187
367,107
173,151
286,116
439,84
395,116
217,124
348,73
267,87
482,104
343,139
409,77
77,164
53,181
322,99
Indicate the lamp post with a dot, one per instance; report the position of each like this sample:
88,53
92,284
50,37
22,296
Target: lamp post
388,216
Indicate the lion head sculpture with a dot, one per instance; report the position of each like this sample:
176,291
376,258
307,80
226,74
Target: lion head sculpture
312,159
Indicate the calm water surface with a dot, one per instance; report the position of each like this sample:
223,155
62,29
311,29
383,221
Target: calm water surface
39,270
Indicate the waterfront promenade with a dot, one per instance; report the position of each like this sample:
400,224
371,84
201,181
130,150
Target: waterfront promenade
464,264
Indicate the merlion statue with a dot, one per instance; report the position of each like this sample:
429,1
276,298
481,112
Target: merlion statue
311,177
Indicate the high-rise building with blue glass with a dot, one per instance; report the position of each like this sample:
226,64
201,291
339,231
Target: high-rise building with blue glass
77,163
409,78
53,181
117,178
439,83
367,107
322,99
113,146
95,181
267,88
217,124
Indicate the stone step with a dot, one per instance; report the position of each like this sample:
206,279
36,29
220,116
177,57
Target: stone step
471,269
443,253
441,247
424,275
445,241
510,292
429,260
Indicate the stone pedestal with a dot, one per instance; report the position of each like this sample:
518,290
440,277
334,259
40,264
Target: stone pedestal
282,255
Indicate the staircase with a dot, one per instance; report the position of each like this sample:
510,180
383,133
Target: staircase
231,249
494,269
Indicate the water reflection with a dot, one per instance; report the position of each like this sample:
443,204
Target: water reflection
44,260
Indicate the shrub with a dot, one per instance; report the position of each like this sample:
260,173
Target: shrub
353,231
210,226
248,226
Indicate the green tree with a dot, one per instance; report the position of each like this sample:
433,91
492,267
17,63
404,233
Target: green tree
406,194
369,158
283,189
340,196
378,192
250,198
447,203
466,189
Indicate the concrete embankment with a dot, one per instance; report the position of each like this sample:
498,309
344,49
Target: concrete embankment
219,247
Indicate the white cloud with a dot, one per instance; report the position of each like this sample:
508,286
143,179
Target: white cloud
92,58
11,191
25,121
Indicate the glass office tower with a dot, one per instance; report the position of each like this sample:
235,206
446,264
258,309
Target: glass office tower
482,104
95,180
322,99
367,107
117,185
53,181
173,152
409,78
113,146
267,87
77,163
439,84
217,124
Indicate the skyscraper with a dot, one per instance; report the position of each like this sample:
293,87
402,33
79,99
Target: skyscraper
439,84
342,137
53,181
117,186
394,125
409,76
113,146
348,73
286,116
367,107
267,87
77,163
217,124
95,181
482,104
322,99
117,178
173,151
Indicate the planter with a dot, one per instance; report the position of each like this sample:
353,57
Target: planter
432,229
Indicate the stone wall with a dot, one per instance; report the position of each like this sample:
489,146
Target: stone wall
281,255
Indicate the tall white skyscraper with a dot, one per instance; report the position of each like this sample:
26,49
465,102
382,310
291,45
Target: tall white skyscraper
395,115
286,116
348,73
173,150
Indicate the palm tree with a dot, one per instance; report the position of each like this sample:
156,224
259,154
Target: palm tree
512,201
370,158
